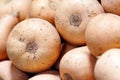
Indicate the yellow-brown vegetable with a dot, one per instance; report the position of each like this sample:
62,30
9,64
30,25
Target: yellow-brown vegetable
9,72
72,17
102,33
108,65
33,45
47,75
111,6
7,22
44,9
77,64
15,6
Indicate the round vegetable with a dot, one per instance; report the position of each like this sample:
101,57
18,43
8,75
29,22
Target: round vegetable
15,6
33,45
9,72
47,75
111,6
44,9
72,17
108,65
102,33
7,22
77,64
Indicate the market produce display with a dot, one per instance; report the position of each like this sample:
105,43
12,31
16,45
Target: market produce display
59,39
